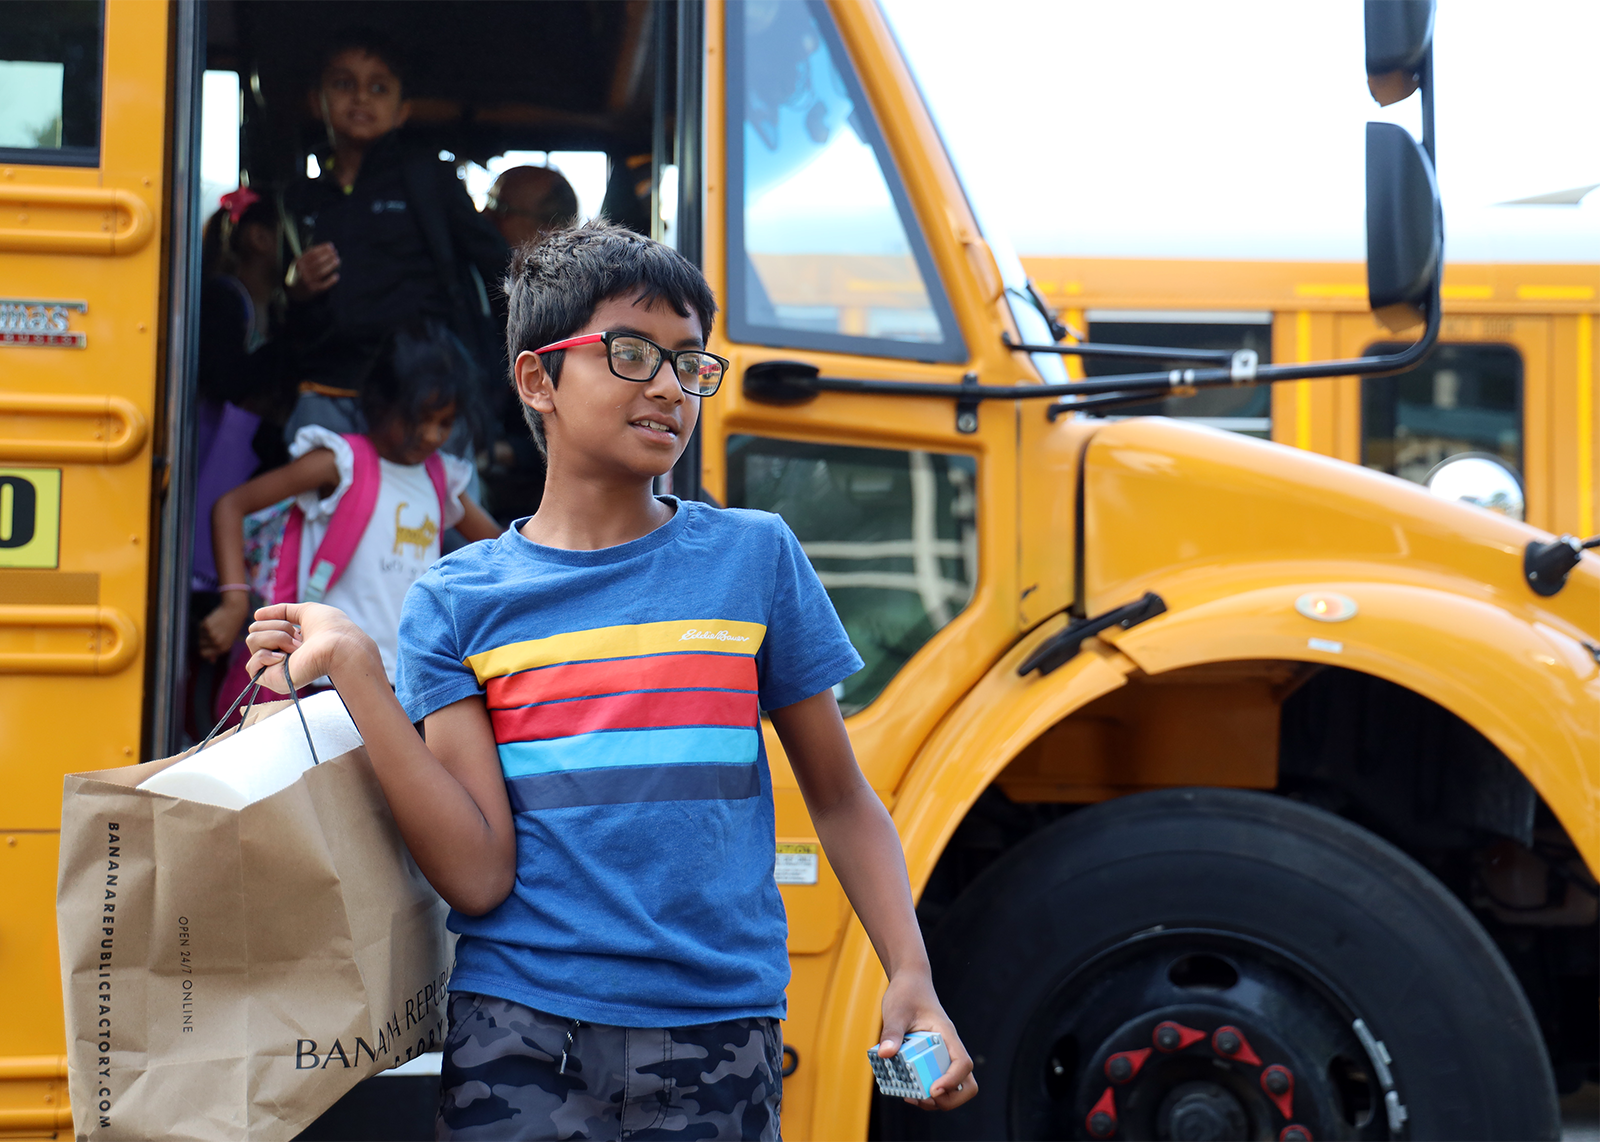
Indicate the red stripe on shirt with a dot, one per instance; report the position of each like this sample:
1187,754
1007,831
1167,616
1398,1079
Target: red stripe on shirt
650,709
589,679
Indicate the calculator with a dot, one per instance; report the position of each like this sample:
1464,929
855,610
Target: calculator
912,1071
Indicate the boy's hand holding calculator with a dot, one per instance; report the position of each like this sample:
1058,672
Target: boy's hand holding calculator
912,1070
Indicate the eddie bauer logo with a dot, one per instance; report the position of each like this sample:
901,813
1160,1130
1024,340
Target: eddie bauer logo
423,1019
712,635
42,324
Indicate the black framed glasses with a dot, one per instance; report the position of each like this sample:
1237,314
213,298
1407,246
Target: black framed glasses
636,358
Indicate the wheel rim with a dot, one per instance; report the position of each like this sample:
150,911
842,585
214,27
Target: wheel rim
1195,1034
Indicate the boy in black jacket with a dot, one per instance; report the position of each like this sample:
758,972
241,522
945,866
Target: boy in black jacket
381,237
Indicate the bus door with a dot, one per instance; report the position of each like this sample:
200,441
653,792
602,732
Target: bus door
1483,390
832,245
82,194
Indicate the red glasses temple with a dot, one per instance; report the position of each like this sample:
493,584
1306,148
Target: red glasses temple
573,342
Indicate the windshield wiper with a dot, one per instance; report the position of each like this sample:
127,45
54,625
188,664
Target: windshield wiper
1030,294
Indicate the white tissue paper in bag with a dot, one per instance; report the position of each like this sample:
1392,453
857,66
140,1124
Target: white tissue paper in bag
256,762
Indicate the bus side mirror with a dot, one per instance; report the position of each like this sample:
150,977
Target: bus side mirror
1405,239
1399,33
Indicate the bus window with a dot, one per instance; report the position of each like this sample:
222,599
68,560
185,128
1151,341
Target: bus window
1244,410
891,534
50,82
221,116
1463,398
824,250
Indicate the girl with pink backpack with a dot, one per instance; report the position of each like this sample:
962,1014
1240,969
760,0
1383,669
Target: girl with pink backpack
368,511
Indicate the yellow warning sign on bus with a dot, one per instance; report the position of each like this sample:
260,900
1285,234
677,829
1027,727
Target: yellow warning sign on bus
30,517
797,862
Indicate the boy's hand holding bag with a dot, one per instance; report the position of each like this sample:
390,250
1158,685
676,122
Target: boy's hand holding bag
238,952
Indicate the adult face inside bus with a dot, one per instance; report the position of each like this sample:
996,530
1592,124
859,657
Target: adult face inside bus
526,203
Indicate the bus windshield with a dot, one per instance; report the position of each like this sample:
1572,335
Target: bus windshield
1031,323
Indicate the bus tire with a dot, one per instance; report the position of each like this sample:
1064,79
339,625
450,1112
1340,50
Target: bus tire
1237,918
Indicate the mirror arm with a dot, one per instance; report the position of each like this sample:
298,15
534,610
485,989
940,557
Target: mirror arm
1099,349
794,382
1141,388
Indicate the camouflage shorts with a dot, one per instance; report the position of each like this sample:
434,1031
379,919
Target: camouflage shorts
501,1077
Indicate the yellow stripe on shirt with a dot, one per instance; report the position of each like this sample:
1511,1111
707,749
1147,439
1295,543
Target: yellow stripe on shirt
717,636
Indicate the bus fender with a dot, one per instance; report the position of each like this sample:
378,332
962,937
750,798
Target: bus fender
1530,688
995,720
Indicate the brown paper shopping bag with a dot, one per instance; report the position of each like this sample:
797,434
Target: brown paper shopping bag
230,973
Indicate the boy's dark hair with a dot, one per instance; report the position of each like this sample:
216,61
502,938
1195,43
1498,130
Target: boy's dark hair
369,41
422,366
555,286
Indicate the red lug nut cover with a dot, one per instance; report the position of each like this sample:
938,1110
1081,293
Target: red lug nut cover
1278,1082
1101,1121
1124,1065
1170,1036
1230,1042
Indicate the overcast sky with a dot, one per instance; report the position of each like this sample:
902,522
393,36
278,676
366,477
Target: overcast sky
1234,128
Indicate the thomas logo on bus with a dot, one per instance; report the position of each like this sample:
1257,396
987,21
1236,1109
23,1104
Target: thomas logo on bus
42,324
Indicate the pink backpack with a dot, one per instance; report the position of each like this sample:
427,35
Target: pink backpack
349,523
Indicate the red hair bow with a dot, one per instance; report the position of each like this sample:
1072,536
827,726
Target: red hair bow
236,202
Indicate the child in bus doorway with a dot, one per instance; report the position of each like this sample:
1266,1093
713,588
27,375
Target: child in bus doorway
368,509
239,410
384,234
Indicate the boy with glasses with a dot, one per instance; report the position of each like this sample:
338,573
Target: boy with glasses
593,798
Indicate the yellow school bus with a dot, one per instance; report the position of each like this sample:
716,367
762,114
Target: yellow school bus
1244,792
1513,376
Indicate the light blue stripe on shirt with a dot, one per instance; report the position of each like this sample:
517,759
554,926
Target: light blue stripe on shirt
676,745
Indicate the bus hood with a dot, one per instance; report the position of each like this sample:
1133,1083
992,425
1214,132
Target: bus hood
1194,513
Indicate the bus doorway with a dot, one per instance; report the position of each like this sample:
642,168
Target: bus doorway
575,97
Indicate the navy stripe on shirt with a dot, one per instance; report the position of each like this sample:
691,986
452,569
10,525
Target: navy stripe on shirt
632,784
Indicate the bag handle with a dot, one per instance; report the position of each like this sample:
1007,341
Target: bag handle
248,697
